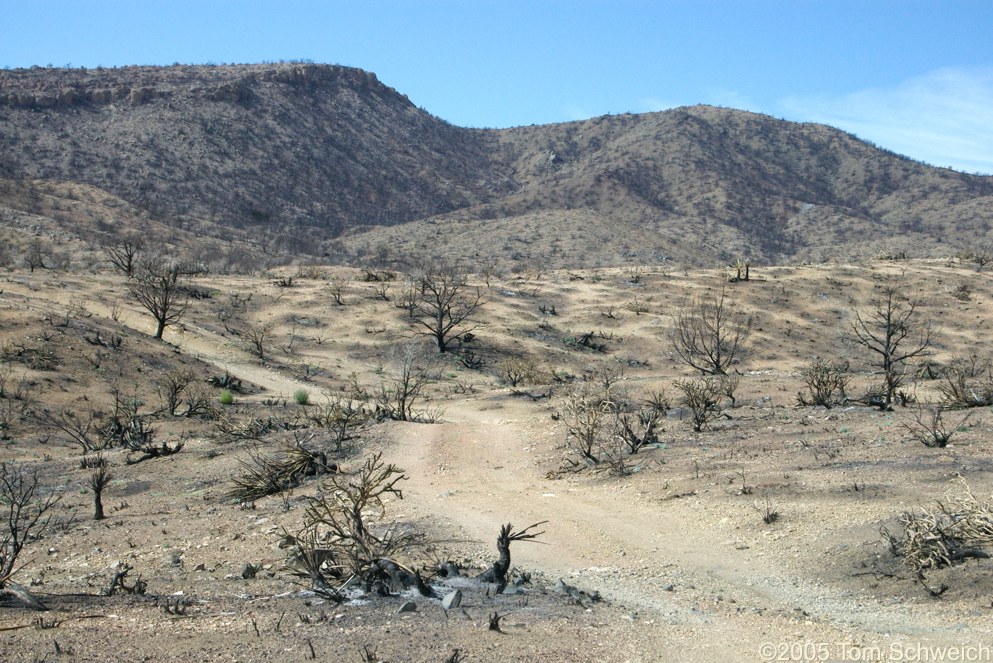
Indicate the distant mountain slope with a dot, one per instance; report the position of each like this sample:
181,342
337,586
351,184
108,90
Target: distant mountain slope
324,159
741,182
278,145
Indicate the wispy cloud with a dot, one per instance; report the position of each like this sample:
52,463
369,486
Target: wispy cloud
944,117
654,104
577,112
730,98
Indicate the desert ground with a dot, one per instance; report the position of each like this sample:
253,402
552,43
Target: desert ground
757,538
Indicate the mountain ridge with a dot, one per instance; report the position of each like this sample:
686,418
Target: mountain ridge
324,160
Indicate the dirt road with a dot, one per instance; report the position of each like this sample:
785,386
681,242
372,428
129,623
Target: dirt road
676,563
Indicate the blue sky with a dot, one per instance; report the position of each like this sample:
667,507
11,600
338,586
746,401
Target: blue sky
912,76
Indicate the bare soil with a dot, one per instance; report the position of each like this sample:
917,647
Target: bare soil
671,562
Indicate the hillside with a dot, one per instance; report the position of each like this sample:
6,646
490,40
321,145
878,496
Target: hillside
323,160
280,148
668,553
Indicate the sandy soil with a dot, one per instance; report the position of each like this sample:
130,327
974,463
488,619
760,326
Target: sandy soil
678,550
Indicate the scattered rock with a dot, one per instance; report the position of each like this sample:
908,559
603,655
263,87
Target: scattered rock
452,600
408,606
576,594
249,570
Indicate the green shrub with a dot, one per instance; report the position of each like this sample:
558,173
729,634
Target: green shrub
301,396
227,398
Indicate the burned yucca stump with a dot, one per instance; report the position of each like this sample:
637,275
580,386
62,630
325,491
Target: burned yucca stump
497,573
99,480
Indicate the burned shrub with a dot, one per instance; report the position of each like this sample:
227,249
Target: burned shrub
826,383
270,474
947,533
967,382
929,427
345,537
711,334
703,398
25,513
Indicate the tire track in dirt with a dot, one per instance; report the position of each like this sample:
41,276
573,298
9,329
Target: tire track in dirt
217,350
477,473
